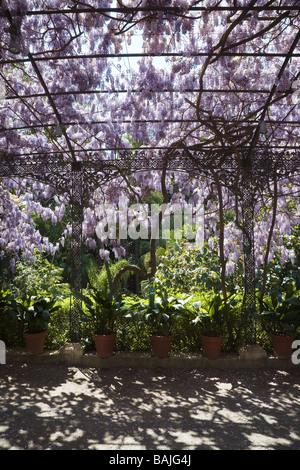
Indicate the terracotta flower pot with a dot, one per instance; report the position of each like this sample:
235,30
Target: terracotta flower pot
104,344
161,345
212,346
35,342
282,346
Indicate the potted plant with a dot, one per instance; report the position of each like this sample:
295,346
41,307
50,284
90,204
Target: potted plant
211,315
280,318
102,310
34,313
159,314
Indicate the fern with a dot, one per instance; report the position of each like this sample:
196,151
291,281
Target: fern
102,278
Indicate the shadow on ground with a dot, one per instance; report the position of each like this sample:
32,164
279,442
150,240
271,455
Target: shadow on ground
60,407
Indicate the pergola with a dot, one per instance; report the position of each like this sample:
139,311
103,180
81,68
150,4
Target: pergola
243,166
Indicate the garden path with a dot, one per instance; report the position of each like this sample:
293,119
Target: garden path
53,406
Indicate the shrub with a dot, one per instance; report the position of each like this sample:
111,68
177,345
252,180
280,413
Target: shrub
186,270
9,327
39,278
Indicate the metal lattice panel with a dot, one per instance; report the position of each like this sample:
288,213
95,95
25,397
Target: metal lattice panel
76,275
54,172
248,194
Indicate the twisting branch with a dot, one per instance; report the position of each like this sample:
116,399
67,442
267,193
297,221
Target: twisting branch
270,235
136,269
221,232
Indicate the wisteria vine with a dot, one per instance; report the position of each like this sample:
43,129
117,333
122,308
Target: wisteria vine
129,74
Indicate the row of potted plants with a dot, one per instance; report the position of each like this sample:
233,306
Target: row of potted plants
280,317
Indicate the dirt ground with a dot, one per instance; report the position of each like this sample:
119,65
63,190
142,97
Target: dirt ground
58,407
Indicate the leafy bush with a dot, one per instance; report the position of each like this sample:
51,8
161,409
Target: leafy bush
39,278
9,331
186,270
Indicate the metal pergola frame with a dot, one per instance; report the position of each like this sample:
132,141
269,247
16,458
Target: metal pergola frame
79,179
